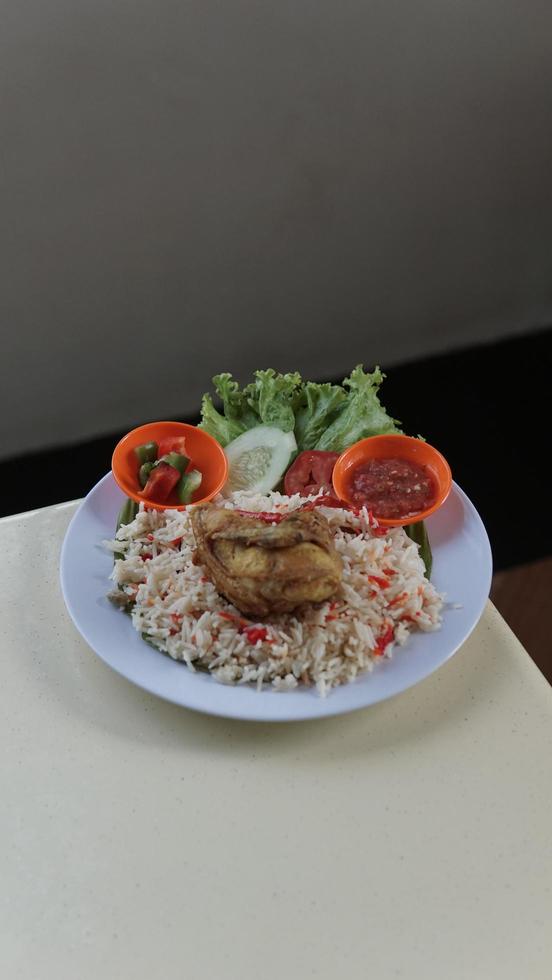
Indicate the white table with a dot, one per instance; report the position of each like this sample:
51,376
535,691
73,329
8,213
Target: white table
141,840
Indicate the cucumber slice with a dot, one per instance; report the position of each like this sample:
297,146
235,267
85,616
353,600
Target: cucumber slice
258,458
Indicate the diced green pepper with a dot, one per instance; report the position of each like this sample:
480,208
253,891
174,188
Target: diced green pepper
187,486
177,460
144,473
147,453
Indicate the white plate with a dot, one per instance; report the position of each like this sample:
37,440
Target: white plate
462,566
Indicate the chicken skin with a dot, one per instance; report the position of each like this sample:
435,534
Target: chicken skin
263,567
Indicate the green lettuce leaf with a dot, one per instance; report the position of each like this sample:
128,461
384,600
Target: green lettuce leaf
319,405
236,416
273,398
323,416
217,425
234,401
361,416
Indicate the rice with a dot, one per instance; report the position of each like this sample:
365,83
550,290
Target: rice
384,595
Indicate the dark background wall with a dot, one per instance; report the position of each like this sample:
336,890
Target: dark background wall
193,186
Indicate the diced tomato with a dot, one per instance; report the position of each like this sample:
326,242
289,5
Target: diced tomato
237,620
377,530
383,641
254,633
311,472
324,500
172,444
398,598
161,481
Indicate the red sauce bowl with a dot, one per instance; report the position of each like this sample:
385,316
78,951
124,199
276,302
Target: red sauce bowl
394,446
205,453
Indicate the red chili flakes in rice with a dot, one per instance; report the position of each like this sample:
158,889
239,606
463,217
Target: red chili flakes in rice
383,597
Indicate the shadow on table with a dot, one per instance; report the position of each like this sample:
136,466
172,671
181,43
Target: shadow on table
113,705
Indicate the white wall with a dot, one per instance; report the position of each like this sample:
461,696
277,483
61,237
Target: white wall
195,186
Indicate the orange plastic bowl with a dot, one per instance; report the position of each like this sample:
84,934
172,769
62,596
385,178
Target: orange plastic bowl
397,447
205,454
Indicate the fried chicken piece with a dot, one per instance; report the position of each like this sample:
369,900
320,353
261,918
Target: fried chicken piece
267,568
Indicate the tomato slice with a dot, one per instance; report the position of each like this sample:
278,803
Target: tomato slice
172,444
311,472
161,481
